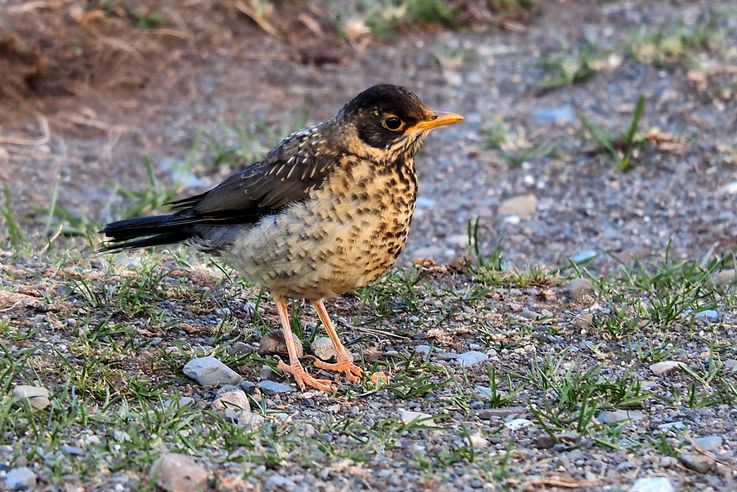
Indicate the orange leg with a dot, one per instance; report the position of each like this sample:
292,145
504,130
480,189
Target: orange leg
352,372
295,368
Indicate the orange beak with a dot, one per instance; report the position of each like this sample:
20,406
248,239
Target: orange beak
440,119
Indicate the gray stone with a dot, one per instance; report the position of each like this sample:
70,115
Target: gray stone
183,401
611,417
709,443
37,396
240,348
272,387
523,206
273,344
423,349
529,314
20,478
208,371
236,399
424,419
584,321
725,277
471,358
73,450
579,287
665,366
516,424
584,255
652,484
490,413
178,473
696,462
557,114
324,349
707,316
279,483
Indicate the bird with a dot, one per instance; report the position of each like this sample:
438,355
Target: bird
324,212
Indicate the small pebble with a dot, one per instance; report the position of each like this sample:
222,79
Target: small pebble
424,419
178,473
273,344
324,349
652,484
240,348
579,288
279,483
37,396
611,417
208,371
273,388
696,462
664,367
523,206
709,443
236,399
516,424
491,413
472,358
20,479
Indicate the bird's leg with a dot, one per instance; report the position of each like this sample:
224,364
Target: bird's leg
343,364
295,368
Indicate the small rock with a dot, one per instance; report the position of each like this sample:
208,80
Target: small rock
516,424
584,255
323,348
725,277
545,441
249,387
478,441
446,355
490,413
707,316
240,348
523,206
20,478
529,314
696,462
652,484
248,420
408,417
423,349
72,450
183,401
611,417
208,371
709,443
584,321
557,115
664,367
37,396
579,287
279,483
236,399
272,387
178,473
730,365
472,358
273,343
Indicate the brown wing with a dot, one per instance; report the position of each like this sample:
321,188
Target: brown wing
287,175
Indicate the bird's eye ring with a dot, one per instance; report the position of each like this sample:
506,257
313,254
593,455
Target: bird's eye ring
392,123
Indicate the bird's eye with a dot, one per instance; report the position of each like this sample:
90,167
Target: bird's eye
392,123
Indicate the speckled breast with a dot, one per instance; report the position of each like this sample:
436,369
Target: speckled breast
343,236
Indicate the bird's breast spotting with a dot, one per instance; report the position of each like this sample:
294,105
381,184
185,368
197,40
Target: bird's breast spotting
342,236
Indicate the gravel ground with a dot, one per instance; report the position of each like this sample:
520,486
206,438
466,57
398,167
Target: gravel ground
624,381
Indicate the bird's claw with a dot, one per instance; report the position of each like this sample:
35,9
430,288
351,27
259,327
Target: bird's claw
303,379
352,372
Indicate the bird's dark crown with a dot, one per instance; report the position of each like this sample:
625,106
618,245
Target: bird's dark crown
383,114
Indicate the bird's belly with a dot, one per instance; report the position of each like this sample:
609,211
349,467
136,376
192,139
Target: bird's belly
325,246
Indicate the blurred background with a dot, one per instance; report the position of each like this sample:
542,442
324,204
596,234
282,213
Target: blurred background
595,130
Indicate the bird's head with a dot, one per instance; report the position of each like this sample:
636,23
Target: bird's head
387,123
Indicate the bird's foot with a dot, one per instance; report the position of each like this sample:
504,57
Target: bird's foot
303,379
352,372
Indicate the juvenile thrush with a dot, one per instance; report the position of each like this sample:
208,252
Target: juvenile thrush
326,211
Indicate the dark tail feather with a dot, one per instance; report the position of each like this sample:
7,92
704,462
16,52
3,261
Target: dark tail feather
152,231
